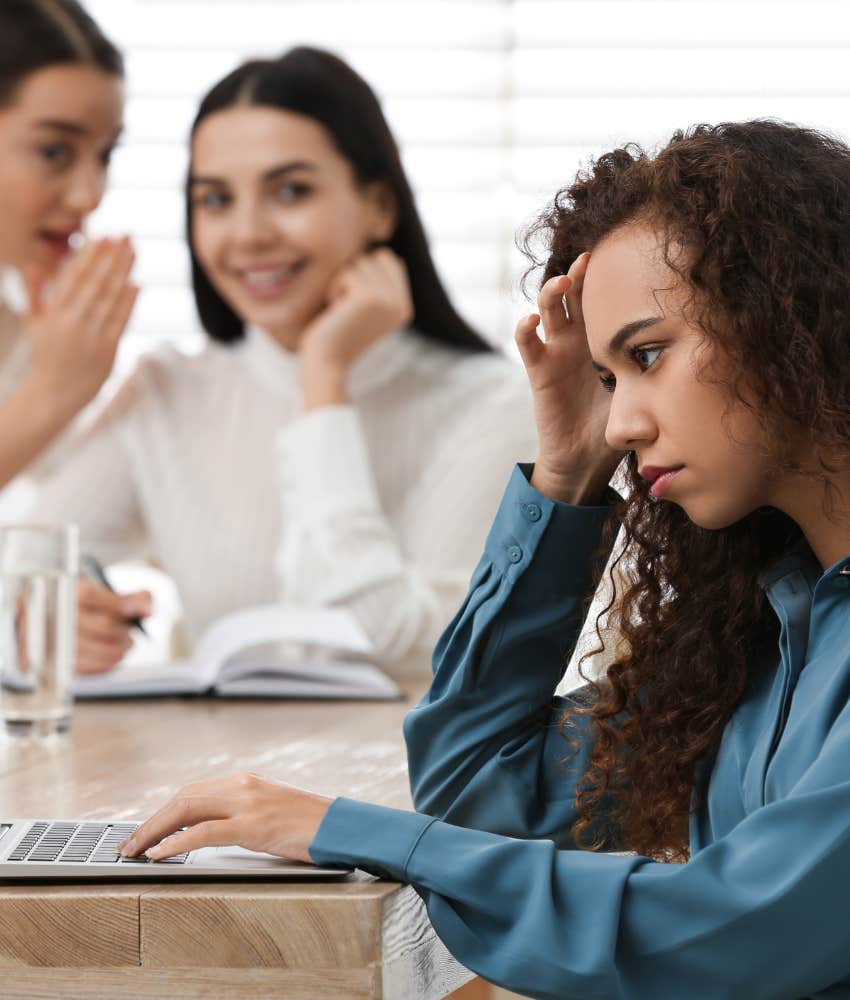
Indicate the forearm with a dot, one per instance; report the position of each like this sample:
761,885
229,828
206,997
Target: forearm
88,481
522,914
339,547
580,487
323,386
759,913
30,419
355,562
485,746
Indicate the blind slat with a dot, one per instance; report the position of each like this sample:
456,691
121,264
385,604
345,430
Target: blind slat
683,24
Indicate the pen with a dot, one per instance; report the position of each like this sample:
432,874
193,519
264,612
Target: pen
92,568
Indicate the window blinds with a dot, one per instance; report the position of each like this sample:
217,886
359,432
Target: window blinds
495,104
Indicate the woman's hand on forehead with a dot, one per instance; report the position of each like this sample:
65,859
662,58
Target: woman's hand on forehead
574,464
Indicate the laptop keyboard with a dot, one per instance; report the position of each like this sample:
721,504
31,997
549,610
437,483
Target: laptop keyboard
80,843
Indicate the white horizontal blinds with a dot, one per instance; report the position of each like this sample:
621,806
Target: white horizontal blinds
440,69
588,75
495,104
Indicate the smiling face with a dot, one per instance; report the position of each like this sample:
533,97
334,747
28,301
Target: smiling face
56,138
673,419
277,213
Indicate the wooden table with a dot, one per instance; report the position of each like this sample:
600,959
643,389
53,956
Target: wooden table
358,938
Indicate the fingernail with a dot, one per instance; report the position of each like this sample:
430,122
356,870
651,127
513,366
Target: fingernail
127,847
153,853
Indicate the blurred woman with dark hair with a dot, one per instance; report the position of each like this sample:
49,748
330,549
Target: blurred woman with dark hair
706,339
341,439
61,109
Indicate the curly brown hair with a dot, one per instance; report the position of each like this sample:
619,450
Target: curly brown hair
763,208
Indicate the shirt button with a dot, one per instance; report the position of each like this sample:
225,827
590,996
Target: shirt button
514,553
533,512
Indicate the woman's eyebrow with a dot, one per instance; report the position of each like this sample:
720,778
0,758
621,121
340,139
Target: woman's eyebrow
623,334
273,174
60,125
287,168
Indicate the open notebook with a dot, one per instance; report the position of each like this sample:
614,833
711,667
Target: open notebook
275,651
75,849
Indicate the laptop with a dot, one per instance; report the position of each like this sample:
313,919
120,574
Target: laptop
32,849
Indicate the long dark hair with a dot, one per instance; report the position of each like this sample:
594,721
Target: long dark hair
763,208
35,34
319,85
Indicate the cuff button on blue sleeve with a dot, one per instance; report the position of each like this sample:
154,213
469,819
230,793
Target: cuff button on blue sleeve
514,553
533,512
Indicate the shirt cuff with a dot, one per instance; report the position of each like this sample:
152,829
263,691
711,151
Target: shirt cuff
324,465
573,533
376,839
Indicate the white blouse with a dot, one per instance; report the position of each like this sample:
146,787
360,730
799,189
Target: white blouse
208,465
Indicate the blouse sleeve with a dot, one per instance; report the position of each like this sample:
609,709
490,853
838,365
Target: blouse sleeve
340,547
759,913
486,746
88,481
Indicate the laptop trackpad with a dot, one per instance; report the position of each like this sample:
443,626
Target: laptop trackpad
239,857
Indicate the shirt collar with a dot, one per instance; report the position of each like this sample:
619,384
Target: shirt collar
801,559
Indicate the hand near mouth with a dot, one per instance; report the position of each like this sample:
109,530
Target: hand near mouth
75,323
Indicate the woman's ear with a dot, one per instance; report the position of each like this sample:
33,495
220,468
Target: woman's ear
384,211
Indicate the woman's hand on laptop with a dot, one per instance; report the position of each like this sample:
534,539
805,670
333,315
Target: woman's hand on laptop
103,625
244,810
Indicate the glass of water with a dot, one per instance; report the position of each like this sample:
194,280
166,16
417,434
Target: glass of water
38,626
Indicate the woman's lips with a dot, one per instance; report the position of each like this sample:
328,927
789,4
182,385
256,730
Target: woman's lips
59,243
662,481
267,283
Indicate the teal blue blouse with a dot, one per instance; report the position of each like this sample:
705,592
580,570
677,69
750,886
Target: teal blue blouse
762,909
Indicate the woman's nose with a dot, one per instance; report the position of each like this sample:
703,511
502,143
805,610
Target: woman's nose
85,189
629,422
251,225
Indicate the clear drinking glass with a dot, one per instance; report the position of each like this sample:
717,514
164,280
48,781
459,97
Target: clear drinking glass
38,624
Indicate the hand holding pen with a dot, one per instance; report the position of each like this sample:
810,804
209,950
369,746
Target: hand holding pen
105,620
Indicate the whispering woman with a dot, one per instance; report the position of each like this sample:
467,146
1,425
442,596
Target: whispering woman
61,114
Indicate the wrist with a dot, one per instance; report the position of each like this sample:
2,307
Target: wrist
324,385
51,405
578,487
319,810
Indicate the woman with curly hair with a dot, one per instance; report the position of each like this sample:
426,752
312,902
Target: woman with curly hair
706,338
